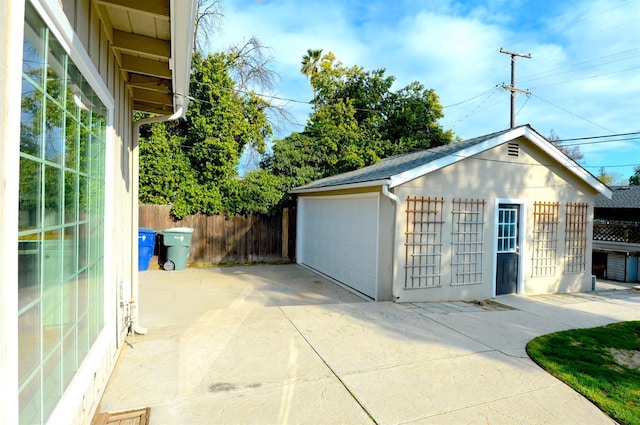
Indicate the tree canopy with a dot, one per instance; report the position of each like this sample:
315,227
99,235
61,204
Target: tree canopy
192,163
572,152
356,120
634,180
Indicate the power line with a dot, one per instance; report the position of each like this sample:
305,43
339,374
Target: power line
571,113
488,95
600,137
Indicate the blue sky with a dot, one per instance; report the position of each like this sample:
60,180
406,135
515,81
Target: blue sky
584,75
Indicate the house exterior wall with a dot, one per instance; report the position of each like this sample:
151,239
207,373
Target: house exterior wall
85,40
493,176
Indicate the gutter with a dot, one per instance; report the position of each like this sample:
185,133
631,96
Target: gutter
133,303
395,201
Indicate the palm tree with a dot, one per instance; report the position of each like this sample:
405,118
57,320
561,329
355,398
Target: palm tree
310,62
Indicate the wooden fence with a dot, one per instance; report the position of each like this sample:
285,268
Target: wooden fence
217,239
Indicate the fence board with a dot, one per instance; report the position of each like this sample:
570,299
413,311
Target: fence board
217,239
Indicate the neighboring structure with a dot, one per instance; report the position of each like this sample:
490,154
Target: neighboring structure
72,72
503,213
616,235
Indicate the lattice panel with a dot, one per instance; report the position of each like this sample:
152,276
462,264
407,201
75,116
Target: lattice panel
616,231
467,240
546,216
575,254
423,256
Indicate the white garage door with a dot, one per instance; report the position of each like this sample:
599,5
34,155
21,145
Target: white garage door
338,236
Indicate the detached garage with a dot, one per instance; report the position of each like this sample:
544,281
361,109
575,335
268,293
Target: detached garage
502,213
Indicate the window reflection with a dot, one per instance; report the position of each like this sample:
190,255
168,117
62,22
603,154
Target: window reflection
61,209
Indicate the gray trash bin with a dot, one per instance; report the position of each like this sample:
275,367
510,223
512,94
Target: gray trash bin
177,241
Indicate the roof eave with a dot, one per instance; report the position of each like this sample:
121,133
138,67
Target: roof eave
373,183
568,163
522,131
183,14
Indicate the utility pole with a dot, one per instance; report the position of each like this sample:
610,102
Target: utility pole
512,88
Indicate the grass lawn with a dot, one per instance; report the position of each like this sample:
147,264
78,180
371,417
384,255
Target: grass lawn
603,364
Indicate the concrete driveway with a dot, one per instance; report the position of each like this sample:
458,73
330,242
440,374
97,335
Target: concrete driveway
281,345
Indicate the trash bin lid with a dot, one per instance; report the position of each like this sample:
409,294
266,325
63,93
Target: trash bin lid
146,230
179,230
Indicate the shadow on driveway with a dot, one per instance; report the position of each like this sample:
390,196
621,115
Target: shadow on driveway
280,344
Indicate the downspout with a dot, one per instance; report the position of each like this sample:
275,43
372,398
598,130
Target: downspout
134,303
396,201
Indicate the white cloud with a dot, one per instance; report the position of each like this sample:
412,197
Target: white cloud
584,72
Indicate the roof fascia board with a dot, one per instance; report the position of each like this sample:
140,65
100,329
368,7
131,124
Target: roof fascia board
183,15
569,164
372,183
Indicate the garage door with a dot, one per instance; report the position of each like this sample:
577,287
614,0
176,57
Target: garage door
338,236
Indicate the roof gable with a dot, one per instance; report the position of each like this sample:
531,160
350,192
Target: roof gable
399,169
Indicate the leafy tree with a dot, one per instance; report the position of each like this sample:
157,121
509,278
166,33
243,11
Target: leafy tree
258,192
192,163
356,120
208,16
634,180
605,177
310,62
572,152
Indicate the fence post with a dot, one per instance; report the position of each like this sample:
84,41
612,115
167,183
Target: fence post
285,233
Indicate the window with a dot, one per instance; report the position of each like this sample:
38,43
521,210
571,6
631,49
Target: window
61,221
545,238
423,256
467,240
575,251
507,229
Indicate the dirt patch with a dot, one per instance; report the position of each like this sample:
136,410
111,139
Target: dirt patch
628,358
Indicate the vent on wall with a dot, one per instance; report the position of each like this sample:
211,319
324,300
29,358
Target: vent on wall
513,149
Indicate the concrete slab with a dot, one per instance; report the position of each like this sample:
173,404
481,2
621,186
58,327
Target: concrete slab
308,402
421,390
359,337
280,344
549,405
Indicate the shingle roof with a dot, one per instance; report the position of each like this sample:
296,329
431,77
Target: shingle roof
397,170
623,197
397,164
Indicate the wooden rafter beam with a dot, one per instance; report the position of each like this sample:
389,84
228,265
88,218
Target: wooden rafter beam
152,108
152,97
161,85
134,43
157,9
145,66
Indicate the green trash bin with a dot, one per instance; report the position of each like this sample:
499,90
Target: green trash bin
177,241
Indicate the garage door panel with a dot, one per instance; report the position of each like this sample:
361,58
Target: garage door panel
340,238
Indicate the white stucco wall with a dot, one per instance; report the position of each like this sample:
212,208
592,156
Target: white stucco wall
530,177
